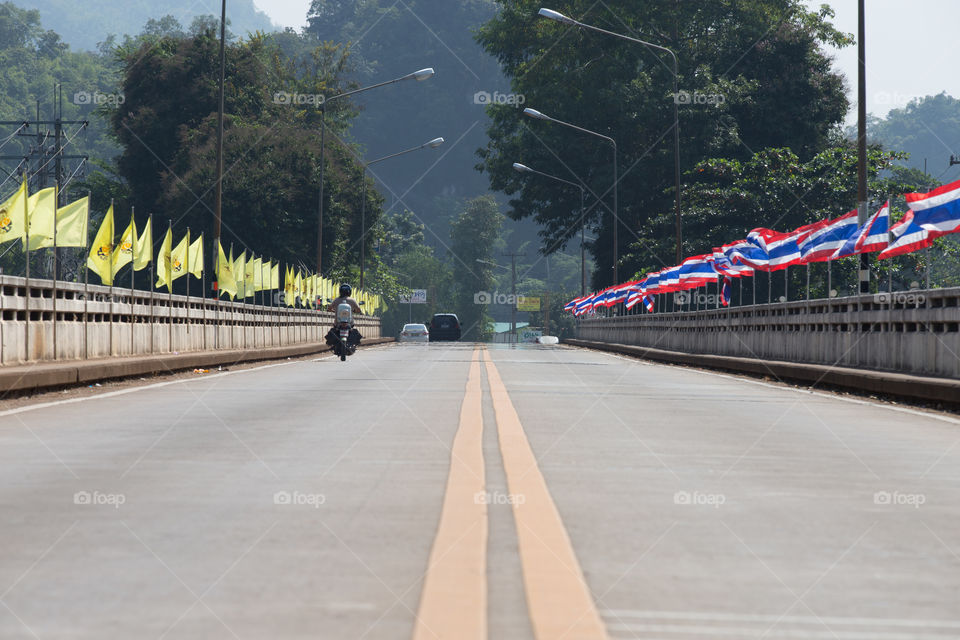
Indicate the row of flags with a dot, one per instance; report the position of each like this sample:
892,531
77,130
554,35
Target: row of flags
931,215
39,223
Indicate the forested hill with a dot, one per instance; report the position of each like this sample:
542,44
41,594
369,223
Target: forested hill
85,24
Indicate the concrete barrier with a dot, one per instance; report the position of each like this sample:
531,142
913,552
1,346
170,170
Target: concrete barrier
74,322
915,332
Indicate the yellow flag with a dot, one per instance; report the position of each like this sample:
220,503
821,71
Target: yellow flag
195,260
239,271
143,253
123,251
226,281
275,276
100,256
288,290
41,214
13,215
163,262
298,286
72,223
248,272
265,271
258,274
180,258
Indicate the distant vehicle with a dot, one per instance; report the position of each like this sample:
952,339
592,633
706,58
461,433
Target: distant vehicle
444,326
414,333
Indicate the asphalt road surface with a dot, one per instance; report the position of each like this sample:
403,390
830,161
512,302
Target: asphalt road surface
461,491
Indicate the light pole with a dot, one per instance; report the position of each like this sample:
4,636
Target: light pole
522,168
559,17
433,144
420,75
533,113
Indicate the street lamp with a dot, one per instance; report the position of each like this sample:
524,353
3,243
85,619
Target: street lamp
533,113
522,168
419,76
559,17
432,144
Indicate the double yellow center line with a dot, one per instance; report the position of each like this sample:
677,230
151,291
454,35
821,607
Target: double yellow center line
453,604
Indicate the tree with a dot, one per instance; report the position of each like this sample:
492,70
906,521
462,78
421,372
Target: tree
928,129
752,74
474,233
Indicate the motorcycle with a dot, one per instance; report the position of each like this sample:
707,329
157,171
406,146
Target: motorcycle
339,338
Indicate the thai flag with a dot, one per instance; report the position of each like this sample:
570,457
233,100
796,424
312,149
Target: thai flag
722,265
725,292
781,248
827,237
633,299
872,236
585,305
937,211
670,279
651,284
910,236
648,303
570,306
619,293
696,271
746,253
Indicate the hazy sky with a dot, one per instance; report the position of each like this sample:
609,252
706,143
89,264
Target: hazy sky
911,46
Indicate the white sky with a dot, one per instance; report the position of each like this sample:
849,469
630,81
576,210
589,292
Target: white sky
911,46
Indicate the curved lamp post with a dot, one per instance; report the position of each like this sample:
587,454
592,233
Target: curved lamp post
422,74
522,168
433,144
533,113
559,17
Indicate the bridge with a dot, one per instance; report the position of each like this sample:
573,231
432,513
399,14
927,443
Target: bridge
476,491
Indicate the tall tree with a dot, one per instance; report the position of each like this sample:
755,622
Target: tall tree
474,233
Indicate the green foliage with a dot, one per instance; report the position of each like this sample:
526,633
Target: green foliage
474,234
758,66
927,129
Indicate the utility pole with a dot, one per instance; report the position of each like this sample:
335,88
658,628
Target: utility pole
862,141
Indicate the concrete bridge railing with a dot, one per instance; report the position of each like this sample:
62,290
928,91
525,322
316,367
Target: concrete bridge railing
97,322
916,332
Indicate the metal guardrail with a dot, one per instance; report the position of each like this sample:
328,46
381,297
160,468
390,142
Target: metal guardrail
915,331
71,321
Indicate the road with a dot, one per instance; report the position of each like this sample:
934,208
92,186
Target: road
459,491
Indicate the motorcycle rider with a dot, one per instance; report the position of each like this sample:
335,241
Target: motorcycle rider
333,336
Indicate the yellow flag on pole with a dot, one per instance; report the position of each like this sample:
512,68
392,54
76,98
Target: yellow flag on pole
100,256
248,272
275,276
195,257
163,262
72,222
41,217
13,215
258,274
180,258
123,251
143,253
226,281
239,270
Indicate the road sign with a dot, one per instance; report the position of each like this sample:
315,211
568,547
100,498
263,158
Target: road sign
417,296
528,303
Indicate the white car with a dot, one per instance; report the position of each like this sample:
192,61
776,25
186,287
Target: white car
414,333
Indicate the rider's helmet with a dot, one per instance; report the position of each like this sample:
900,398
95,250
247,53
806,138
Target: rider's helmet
345,290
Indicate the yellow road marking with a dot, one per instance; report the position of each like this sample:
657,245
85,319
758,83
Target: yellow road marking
558,598
453,604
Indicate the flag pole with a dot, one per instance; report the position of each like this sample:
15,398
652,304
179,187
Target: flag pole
86,288
150,283
56,205
112,248
169,268
203,295
186,266
216,296
26,250
133,271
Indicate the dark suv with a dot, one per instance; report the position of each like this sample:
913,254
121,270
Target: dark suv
444,326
